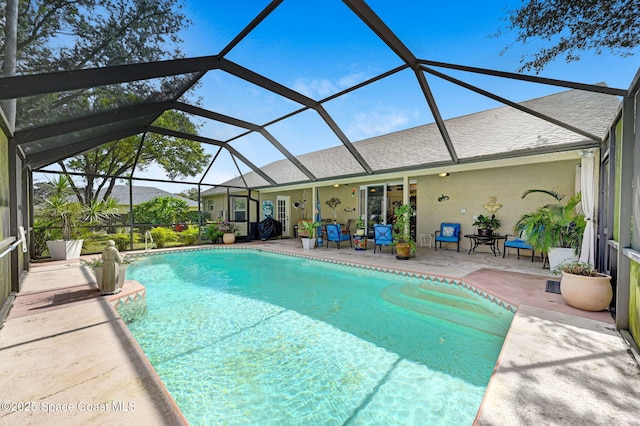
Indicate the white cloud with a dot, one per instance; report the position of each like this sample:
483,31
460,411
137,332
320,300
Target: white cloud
318,88
380,122
314,88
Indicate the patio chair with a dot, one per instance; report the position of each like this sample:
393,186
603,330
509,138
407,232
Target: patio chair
448,233
383,236
335,234
347,227
518,242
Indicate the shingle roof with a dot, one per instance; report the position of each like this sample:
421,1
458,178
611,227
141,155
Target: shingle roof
142,194
493,133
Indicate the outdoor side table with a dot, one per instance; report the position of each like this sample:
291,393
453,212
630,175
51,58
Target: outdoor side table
476,240
424,238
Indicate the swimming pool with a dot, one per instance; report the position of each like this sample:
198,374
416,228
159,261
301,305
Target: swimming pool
242,336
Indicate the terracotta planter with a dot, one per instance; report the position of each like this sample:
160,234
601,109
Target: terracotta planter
403,250
586,293
229,238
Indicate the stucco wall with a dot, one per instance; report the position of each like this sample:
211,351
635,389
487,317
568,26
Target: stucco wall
470,190
5,262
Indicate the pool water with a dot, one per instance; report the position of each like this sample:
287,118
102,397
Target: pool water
251,337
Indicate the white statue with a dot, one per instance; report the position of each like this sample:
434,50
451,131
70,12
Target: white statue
111,260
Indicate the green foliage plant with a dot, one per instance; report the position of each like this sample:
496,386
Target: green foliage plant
122,240
59,209
553,225
212,233
161,211
402,226
161,236
310,227
226,227
487,222
190,235
584,269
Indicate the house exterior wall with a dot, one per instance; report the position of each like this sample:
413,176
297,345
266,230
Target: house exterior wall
470,190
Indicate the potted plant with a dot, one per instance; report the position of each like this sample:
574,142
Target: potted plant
554,229
228,231
96,264
59,210
583,287
487,224
360,227
309,241
405,245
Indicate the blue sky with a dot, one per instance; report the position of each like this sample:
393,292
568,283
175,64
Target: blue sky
320,47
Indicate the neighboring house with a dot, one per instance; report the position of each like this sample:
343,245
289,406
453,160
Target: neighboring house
502,152
142,194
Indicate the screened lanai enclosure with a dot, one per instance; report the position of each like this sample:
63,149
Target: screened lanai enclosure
251,126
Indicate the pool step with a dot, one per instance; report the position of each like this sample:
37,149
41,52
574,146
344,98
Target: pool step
451,305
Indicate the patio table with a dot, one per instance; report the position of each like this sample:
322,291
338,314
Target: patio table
484,240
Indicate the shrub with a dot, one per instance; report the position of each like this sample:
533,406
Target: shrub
123,241
213,233
190,235
161,236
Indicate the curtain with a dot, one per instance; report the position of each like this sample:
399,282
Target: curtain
587,253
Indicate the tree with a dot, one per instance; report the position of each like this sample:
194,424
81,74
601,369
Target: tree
178,157
191,193
161,211
574,26
56,35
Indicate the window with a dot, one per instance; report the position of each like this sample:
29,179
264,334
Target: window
238,209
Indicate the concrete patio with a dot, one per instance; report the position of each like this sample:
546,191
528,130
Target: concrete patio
71,354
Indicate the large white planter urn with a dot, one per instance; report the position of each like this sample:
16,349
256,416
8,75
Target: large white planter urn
586,293
64,249
559,255
229,238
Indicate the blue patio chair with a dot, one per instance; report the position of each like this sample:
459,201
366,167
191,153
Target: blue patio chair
518,242
383,236
335,234
448,233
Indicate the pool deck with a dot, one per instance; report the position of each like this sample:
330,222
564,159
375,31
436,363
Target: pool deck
65,349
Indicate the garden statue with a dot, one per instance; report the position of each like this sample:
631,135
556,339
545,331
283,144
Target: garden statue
111,269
